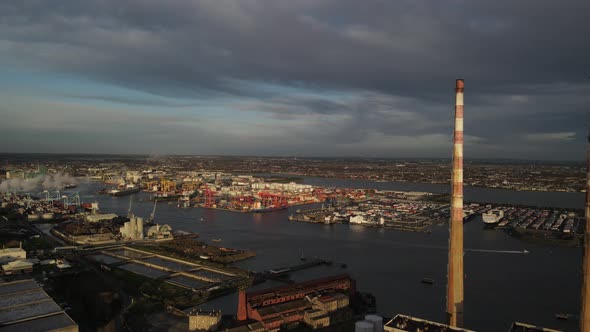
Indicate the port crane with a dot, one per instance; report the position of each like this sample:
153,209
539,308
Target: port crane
153,214
274,200
129,214
71,200
209,199
51,196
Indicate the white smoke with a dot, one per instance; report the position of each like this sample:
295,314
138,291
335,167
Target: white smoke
48,182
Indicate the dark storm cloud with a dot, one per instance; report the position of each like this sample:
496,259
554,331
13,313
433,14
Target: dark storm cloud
524,62
130,101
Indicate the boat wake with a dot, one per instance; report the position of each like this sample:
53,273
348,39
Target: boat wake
498,251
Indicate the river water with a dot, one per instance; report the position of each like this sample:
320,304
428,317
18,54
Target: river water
500,287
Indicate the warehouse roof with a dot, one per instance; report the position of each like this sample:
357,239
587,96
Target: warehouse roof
24,306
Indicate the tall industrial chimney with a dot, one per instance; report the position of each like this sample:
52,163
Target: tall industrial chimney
585,315
455,274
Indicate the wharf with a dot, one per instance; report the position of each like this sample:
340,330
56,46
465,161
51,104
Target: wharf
283,271
253,211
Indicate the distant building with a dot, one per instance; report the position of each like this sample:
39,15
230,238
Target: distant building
24,306
357,220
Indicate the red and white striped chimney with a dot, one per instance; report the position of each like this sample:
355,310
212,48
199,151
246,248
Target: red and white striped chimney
455,274
585,313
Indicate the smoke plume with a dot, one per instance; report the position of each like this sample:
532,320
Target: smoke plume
48,182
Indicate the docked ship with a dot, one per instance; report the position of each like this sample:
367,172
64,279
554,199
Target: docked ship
492,217
269,209
165,196
124,190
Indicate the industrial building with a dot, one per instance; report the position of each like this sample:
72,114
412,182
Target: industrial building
10,254
311,302
133,229
159,231
24,306
14,260
200,320
522,327
254,327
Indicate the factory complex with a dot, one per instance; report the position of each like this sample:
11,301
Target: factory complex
317,303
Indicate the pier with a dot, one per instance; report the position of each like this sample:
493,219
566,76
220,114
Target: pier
280,274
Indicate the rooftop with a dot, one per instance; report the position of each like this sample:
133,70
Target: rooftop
24,306
413,324
283,307
50,323
298,286
17,286
10,250
522,327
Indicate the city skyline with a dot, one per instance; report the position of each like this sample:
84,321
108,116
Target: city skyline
299,78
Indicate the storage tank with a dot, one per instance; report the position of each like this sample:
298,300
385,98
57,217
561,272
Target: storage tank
377,322
363,326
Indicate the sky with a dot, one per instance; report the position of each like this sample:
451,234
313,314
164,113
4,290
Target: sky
333,78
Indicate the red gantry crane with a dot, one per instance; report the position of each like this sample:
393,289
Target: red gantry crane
209,197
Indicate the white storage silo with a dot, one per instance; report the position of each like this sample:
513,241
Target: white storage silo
377,322
363,326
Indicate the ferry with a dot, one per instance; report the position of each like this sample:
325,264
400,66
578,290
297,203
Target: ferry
428,281
492,217
124,190
562,316
279,271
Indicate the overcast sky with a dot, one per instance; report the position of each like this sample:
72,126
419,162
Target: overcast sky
357,78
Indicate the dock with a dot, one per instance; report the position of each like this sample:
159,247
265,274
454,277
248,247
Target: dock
284,271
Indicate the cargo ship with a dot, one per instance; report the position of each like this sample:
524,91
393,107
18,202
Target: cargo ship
124,190
492,217
165,196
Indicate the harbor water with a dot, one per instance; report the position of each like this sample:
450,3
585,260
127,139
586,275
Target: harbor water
502,284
